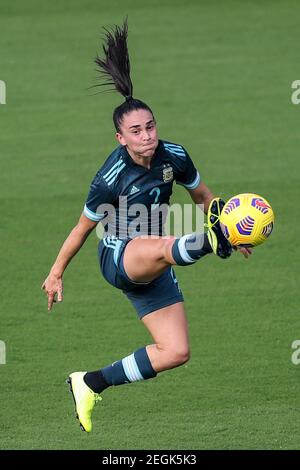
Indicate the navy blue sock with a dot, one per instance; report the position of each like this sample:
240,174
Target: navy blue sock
190,248
132,368
96,381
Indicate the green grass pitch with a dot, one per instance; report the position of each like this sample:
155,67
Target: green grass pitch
218,76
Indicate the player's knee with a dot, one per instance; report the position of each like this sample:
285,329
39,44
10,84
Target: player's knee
179,356
166,248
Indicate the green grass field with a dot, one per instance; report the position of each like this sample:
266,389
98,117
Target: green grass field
218,76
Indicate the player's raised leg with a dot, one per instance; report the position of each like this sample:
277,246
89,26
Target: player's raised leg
145,259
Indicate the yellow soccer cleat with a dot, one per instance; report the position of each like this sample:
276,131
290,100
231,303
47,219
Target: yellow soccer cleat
84,399
219,244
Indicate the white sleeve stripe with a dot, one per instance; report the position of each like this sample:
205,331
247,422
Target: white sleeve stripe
92,215
192,185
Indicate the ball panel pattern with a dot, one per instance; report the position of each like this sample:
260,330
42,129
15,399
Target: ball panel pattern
247,220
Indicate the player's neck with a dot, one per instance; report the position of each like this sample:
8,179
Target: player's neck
141,159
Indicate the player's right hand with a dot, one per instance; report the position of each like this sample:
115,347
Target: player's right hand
53,288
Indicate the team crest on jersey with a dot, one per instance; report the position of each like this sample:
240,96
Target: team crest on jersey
167,173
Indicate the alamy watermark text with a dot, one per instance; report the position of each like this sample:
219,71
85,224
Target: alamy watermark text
295,98
2,352
2,92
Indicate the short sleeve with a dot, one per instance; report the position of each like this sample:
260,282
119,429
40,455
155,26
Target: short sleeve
98,197
189,177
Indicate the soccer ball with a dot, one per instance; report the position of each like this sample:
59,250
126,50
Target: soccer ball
247,220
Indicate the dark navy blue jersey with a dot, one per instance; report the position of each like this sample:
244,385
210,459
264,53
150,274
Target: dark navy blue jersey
131,189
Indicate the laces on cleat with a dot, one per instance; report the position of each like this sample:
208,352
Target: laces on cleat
220,245
97,398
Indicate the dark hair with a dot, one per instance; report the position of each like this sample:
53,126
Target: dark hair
115,67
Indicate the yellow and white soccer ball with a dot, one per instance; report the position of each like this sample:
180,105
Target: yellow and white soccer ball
247,220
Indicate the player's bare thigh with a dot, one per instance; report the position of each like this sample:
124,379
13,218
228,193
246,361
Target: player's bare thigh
168,327
147,258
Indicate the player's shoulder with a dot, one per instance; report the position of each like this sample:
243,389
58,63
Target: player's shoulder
184,169
175,149
111,168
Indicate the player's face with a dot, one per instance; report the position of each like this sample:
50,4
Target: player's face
139,133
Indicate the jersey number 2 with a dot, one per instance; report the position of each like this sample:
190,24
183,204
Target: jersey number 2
155,191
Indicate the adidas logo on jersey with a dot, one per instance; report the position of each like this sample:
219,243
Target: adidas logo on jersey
133,190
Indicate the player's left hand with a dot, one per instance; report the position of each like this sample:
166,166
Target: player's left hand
244,250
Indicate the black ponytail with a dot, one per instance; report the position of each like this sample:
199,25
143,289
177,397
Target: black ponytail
115,67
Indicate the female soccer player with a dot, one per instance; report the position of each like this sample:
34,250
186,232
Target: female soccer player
142,169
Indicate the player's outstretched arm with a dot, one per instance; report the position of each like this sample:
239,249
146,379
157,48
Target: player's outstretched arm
202,195
53,284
